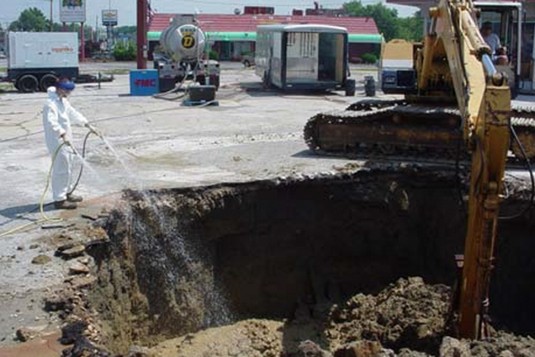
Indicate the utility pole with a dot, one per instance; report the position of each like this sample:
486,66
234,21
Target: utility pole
142,34
109,30
82,49
51,27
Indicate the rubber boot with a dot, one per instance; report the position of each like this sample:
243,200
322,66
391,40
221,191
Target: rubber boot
74,198
65,205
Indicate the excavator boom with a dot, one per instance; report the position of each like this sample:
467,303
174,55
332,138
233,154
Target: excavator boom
460,101
483,98
490,143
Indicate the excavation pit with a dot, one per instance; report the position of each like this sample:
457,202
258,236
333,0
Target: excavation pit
182,260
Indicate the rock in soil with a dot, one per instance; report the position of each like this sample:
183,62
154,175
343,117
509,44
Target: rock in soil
24,334
78,268
41,259
85,348
73,252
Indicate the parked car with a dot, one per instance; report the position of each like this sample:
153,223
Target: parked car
248,60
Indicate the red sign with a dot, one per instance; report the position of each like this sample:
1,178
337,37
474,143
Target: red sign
145,82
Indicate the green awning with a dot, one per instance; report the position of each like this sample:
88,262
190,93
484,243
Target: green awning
231,36
251,36
215,36
365,38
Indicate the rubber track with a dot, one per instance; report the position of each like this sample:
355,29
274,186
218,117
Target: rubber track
374,112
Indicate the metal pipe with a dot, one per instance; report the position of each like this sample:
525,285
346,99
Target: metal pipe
488,65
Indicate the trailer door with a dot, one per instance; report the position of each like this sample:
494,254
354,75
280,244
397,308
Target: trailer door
331,57
275,58
302,57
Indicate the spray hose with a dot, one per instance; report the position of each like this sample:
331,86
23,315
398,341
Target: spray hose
84,146
44,218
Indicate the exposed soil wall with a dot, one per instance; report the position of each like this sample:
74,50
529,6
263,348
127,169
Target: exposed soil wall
181,260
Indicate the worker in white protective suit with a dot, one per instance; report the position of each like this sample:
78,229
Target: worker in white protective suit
57,117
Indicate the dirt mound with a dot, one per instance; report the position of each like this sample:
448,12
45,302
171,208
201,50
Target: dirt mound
408,318
408,313
245,338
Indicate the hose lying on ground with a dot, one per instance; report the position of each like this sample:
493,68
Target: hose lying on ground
44,218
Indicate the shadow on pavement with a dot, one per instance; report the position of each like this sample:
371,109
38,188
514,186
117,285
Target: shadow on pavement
24,212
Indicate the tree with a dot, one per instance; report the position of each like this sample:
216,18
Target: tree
32,20
411,28
387,20
124,51
127,30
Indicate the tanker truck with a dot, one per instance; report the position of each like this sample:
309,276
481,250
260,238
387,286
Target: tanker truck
181,56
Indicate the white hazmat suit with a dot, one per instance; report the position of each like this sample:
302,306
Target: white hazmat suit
57,117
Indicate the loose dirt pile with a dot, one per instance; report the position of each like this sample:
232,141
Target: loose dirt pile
408,318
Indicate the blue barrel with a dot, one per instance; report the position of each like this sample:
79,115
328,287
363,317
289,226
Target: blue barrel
144,82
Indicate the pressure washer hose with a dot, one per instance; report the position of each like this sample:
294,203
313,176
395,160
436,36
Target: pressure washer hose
44,217
84,145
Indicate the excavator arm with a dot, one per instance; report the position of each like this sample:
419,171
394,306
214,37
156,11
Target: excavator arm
489,143
453,93
484,101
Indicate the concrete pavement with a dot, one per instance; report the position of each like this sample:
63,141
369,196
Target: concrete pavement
155,143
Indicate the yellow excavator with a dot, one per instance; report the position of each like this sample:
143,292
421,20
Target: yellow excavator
459,98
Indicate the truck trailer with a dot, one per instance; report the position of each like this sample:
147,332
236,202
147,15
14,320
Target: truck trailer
303,57
35,60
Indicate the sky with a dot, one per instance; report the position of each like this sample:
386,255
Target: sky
11,9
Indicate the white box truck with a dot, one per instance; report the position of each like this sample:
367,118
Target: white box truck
35,60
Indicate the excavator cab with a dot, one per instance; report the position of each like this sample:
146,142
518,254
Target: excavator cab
500,24
502,18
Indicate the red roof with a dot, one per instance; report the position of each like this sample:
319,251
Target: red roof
248,23
419,3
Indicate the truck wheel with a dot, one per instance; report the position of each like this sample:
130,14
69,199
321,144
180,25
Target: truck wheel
27,83
48,80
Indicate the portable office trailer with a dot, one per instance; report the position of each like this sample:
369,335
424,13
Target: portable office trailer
302,56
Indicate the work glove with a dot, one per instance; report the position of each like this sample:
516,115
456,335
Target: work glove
93,130
70,146
66,141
